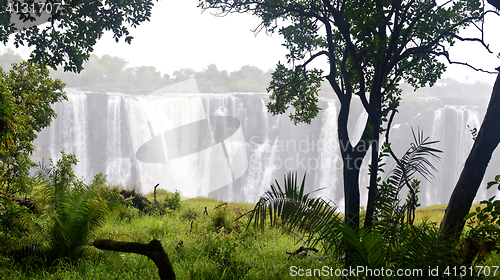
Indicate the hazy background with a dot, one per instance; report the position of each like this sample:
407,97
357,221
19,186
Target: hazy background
179,36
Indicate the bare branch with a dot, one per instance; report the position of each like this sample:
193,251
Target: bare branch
487,47
447,56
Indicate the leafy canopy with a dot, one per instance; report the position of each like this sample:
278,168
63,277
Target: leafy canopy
73,29
26,95
369,46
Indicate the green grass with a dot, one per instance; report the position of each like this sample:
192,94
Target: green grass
433,213
214,246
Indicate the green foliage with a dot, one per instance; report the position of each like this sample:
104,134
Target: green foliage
68,39
173,201
386,244
26,95
208,254
189,214
295,209
220,221
416,160
75,210
15,222
127,214
484,221
109,73
298,88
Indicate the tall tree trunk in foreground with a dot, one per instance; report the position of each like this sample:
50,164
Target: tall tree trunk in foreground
351,188
474,168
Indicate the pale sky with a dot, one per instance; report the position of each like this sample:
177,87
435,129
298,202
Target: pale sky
180,36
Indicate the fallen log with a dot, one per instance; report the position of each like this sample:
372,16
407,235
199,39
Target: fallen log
152,250
25,201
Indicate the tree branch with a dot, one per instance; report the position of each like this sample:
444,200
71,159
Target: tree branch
152,250
495,3
447,56
487,47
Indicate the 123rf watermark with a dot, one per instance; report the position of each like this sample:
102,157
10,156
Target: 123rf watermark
357,271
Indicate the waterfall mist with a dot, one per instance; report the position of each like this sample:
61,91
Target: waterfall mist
106,131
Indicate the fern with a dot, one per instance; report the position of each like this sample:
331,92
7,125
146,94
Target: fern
76,210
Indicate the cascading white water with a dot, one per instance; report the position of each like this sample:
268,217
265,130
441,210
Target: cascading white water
431,193
118,167
263,152
358,128
69,133
330,158
271,145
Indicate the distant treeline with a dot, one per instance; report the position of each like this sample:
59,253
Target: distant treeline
110,73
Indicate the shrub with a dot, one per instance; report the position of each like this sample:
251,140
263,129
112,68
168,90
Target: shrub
189,214
484,234
158,209
173,201
221,219
75,210
126,213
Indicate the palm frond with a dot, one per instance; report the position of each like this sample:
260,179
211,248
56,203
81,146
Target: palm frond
42,172
386,244
297,210
416,160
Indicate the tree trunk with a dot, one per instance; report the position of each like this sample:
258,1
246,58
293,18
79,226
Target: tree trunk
495,3
372,189
474,168
352,164
152,250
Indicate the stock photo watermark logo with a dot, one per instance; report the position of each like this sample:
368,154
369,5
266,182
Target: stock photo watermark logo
25,14
202,155
307,154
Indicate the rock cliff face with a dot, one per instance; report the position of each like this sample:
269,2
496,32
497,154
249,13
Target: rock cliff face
227,146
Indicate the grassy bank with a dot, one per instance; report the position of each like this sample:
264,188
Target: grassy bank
211,244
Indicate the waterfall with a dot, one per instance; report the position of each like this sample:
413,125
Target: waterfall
330,169
432,194
263,152
359,128
229,147
72,120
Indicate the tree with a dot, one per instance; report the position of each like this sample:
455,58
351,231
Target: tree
26,92
9,57
370,47
72,29
211,79
472,174
250,79
26,95
109,73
